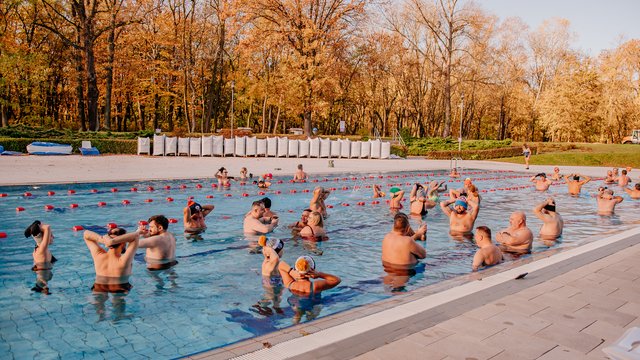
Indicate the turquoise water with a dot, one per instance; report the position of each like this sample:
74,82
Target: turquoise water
213,297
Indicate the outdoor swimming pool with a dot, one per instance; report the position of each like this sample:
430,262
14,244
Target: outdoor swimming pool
208,300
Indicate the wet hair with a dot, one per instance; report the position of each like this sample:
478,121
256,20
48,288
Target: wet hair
221,169
315,218
485,231
551,208
638,186
542,175
400,221
473,189
267,202
624,172
257,203
309,210
576,177
419,186
160,220
299,166
33,229
116,232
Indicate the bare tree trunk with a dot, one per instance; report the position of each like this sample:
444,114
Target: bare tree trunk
111,51
264,112
80,88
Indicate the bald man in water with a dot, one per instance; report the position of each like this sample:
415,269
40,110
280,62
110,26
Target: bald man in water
517,237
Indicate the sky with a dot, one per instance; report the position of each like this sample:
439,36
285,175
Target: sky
598,24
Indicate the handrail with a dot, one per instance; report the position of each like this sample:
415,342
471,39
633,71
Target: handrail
397,136
454,163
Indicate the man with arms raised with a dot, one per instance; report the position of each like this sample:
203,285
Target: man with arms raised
517,237
460,220
194,215
552,221
541,182
488,254
113,267
255,223
575,184
607,202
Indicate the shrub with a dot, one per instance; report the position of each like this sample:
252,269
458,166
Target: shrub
424,145
105,146
399,150
477,154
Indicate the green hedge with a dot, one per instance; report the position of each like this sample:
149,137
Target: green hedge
424,145
478,154
36,132
105,146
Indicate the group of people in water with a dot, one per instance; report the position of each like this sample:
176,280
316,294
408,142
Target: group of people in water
113,252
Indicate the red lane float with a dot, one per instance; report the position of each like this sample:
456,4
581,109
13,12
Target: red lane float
280,181
293,191
150,188
345,188
169,199
209,196
314,180
278,192
93,191
77,228
126,202
329,206
292,181
227,195
3,235
305,190
168,187
3,195
19,208
114,190
242,183
27,194
198,186
112,225
71,192
245,195
48,207
133,189
290,211
148,200
173,221
261,193
51,193
102,203
214,186
190,198
73,206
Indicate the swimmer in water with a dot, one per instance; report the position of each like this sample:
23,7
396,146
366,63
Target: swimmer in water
488,254
610,179
517,238
556,176
42,258
454,173
377,192
395,204
460,219
624,179
255,223
401,252
454,194
607,202
267,208
541,182
300,175
317,201
243,174
304,218
314,230
194,215
224,180
552,221
113,266
418,200
635,192
304,279
575,184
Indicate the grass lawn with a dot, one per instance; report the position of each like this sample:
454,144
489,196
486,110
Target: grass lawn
613,155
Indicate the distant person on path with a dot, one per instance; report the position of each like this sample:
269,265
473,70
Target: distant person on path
300,175
517,238
624,179
607,202
541,182
255,223
575,184
113,267
488,254
526,152
460,220
556,176
634,193
552,221
194,215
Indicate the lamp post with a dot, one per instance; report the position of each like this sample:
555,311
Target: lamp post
233,85
461,114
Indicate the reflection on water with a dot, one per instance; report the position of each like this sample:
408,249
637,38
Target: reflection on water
43,277
114,313
305,307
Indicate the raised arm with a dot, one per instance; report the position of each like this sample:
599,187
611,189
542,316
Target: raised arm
186,216
412,195
475,207
327,281
127,257
206,209
91,239
444,205
109,241
46,236
418,250
586,180
538,210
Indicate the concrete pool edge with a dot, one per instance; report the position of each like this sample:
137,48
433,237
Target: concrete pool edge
365,328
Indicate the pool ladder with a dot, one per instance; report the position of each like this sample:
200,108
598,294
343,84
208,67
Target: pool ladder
453,163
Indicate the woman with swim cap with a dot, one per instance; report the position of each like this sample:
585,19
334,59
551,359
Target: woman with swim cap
303,279
395,204
314,230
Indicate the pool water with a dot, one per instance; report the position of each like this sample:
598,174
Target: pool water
214,296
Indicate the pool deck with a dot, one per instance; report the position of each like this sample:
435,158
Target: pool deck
23,170
572,303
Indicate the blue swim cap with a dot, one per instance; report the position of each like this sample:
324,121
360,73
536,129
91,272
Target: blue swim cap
460,203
